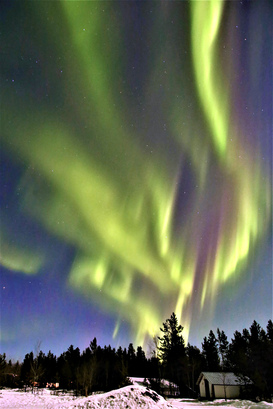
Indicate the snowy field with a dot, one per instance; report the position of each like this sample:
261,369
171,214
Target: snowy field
129,397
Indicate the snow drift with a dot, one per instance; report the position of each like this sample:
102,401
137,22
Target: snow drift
129,397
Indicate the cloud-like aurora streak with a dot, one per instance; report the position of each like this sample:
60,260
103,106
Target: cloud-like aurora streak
94,186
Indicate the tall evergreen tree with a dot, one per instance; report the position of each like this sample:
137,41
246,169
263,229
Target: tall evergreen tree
50,368
26,368
172,352
269,328
269,335
210,352
237,353
3,365
72,357
223,349
258,355
131,359
195,366
140,362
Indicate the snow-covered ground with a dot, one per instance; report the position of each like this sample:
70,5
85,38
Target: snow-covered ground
129,397
219,404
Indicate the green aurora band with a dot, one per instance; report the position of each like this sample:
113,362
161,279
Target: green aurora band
119,212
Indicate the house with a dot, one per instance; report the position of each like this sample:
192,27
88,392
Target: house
218,385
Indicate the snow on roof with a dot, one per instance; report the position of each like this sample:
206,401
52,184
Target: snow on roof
146,381
221,378
138,380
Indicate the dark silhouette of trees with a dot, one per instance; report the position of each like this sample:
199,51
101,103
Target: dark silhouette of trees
131,359
96,369
140,363
33,366
26,370
50,368
9,372
269,342
223,346
3,365
196,364
172,352
210,353
249,355
87,371
270,331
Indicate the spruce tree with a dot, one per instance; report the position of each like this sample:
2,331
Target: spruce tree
210,352
172,352
195,366
223,349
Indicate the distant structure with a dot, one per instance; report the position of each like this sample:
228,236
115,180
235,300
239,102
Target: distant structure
220,385
165,388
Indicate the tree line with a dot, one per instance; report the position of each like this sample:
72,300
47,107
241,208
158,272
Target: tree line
249,355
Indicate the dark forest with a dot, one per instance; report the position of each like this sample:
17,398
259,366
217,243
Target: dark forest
249,355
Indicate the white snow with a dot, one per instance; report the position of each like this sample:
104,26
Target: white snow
219,404
129,397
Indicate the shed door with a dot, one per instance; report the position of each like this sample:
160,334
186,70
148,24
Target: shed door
207,389
212,392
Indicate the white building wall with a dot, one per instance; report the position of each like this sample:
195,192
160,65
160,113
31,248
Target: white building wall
232,391
210,390
202,388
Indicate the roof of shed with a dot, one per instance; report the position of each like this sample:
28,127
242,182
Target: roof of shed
221,378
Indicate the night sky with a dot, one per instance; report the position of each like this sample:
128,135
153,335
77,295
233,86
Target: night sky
136,157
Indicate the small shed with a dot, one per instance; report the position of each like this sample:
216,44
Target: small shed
219,385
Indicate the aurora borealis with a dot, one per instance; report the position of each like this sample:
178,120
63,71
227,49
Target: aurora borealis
135,169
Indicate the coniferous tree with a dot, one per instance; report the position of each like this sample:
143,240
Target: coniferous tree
195,366
210,352
121,355
3,365
88,368
131,359
50,368
140,362
258,358
38,369
72,357
223,345
270,331
64,372
269,335
14,371
238,354
32,368
26,368
172,352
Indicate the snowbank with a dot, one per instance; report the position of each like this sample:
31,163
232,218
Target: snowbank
129,397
